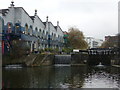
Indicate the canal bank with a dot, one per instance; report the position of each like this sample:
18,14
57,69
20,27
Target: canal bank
30,60
46,59
33,60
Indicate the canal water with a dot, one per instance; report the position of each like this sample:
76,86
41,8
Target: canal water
61,77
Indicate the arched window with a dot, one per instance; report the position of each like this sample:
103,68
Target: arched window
43,34
39,33
36,32
31,30
46,35
1,25
26,29
17,28
54,36
9,28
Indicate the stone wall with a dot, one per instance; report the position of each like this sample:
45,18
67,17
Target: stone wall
43,59
115,60
31,60
79,58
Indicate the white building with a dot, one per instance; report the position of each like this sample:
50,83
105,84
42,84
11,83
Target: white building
31,29
93,43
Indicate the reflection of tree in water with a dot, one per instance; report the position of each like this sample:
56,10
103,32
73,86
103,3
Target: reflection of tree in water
77,76
16,78
41,77
61,76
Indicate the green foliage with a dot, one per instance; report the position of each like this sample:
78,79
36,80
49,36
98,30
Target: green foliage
41,50
50,50
67,50
46,49
56,50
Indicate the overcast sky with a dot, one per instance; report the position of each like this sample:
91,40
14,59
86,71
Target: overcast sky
95,18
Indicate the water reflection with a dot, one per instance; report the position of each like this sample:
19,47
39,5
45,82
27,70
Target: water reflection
102,78
62,77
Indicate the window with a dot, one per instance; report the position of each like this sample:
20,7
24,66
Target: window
46,35
36,31
43,35
30,31
9,29
17,28
26,29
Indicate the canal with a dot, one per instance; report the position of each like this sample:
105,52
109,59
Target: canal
60,76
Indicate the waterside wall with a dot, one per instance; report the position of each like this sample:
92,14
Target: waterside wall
31,60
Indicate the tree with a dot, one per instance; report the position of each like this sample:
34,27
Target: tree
19,49
76,39
112,41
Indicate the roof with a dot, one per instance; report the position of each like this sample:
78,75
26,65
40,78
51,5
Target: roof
25,11
55,27
51,24
44,23
3,11
32,17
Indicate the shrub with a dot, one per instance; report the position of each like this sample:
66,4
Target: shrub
19,49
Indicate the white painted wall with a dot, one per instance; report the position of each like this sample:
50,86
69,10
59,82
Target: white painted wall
19,15
0,24
38,23
25,18
9,16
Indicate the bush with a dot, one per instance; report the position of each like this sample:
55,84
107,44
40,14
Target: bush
67,50
19,49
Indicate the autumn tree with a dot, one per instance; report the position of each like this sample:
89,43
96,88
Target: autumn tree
112,41
76,39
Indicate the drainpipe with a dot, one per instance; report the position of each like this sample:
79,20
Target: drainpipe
49,35
48,27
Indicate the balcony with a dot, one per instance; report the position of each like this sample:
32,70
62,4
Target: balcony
28,37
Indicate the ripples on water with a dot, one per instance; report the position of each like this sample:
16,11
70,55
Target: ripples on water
62,77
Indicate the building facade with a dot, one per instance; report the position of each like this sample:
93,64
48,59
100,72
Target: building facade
113,40
93,43
16,23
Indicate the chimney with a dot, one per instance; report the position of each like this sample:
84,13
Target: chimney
12,4
57,23
35,12
47,19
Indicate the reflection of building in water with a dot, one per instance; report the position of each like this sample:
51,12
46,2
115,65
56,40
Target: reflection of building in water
93,43
19,24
